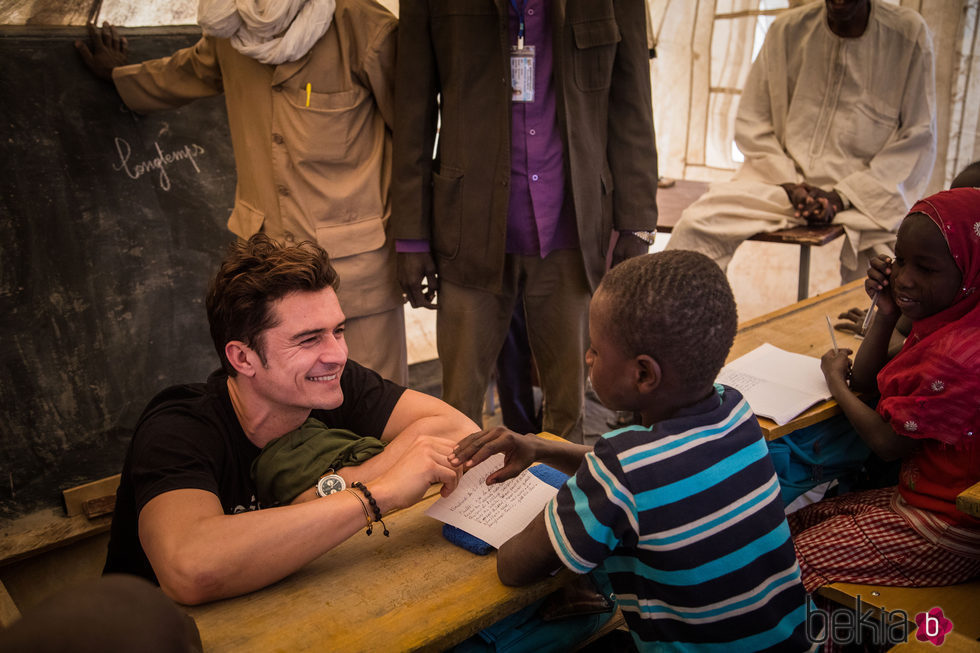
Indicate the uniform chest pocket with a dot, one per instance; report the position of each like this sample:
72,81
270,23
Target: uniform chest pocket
324,131
595,52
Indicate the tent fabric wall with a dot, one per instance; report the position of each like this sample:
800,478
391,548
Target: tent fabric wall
704,50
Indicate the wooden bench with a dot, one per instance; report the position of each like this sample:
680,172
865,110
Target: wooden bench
672,201
616,622
958,602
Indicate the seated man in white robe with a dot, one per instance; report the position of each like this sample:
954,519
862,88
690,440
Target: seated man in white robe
837,124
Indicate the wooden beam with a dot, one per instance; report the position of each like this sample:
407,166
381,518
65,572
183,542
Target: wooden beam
75,497
98,507
8,609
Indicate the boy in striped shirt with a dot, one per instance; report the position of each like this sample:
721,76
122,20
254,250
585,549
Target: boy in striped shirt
683,513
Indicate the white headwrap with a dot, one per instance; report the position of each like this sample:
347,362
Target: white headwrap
270,31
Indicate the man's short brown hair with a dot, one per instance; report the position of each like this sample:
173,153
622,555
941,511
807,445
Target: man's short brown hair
254,275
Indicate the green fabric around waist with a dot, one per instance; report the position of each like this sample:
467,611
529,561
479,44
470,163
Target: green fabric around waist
293,463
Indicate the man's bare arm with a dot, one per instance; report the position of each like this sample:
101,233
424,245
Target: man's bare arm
200,554
416,414
421,414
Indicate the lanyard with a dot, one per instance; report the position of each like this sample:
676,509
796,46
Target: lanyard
520,21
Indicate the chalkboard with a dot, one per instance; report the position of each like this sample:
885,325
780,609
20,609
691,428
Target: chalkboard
111,225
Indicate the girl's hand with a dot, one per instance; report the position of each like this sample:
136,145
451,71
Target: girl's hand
879,282
836,368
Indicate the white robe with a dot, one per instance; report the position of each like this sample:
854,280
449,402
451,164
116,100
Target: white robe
856,115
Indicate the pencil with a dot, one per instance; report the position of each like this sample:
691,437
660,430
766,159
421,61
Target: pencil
833,338
870,314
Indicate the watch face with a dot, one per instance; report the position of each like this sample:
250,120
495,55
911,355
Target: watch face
330,484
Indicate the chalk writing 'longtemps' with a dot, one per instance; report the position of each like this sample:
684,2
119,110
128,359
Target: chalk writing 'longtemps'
136,169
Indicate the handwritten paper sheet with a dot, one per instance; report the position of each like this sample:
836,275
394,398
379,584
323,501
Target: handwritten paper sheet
497,512
777,384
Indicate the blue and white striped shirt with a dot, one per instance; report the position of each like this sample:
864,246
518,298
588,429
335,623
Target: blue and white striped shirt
687,520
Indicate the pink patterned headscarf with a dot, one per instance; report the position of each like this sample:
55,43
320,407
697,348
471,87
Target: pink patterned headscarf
931,389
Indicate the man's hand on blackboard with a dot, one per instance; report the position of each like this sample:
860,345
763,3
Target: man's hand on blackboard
108,50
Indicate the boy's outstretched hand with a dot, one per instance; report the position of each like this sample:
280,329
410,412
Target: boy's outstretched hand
519,451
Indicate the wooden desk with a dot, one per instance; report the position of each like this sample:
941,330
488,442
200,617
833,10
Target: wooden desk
801,328
959,602
411,591
954,643
969,500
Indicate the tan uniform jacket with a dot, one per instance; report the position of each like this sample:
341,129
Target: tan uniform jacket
319,172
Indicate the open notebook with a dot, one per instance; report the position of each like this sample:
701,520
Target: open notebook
777,384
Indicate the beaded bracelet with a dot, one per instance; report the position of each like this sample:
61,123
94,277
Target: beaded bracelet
367,517
374,506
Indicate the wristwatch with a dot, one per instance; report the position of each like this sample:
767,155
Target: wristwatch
646,236
330,483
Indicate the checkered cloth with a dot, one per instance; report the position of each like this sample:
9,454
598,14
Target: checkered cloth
862,538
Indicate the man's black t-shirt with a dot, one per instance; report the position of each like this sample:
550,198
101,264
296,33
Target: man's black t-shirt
189,438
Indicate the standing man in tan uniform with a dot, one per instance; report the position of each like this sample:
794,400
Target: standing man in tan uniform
309,90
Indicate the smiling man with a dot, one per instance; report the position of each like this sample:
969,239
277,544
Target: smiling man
187,515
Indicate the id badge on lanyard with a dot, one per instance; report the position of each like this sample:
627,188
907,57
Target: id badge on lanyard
521,63
522,73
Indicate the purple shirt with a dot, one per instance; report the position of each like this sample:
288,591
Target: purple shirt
538,221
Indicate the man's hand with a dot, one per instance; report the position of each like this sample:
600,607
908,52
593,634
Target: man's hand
418,278
519,452
109,50
813,204
798,195
423,465
821,206
627,246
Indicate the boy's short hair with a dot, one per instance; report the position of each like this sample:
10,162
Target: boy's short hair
968,177
675,306
254,275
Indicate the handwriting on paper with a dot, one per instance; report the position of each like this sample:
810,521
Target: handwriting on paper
493,513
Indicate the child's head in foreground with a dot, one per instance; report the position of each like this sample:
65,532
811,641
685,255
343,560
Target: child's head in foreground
661,326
